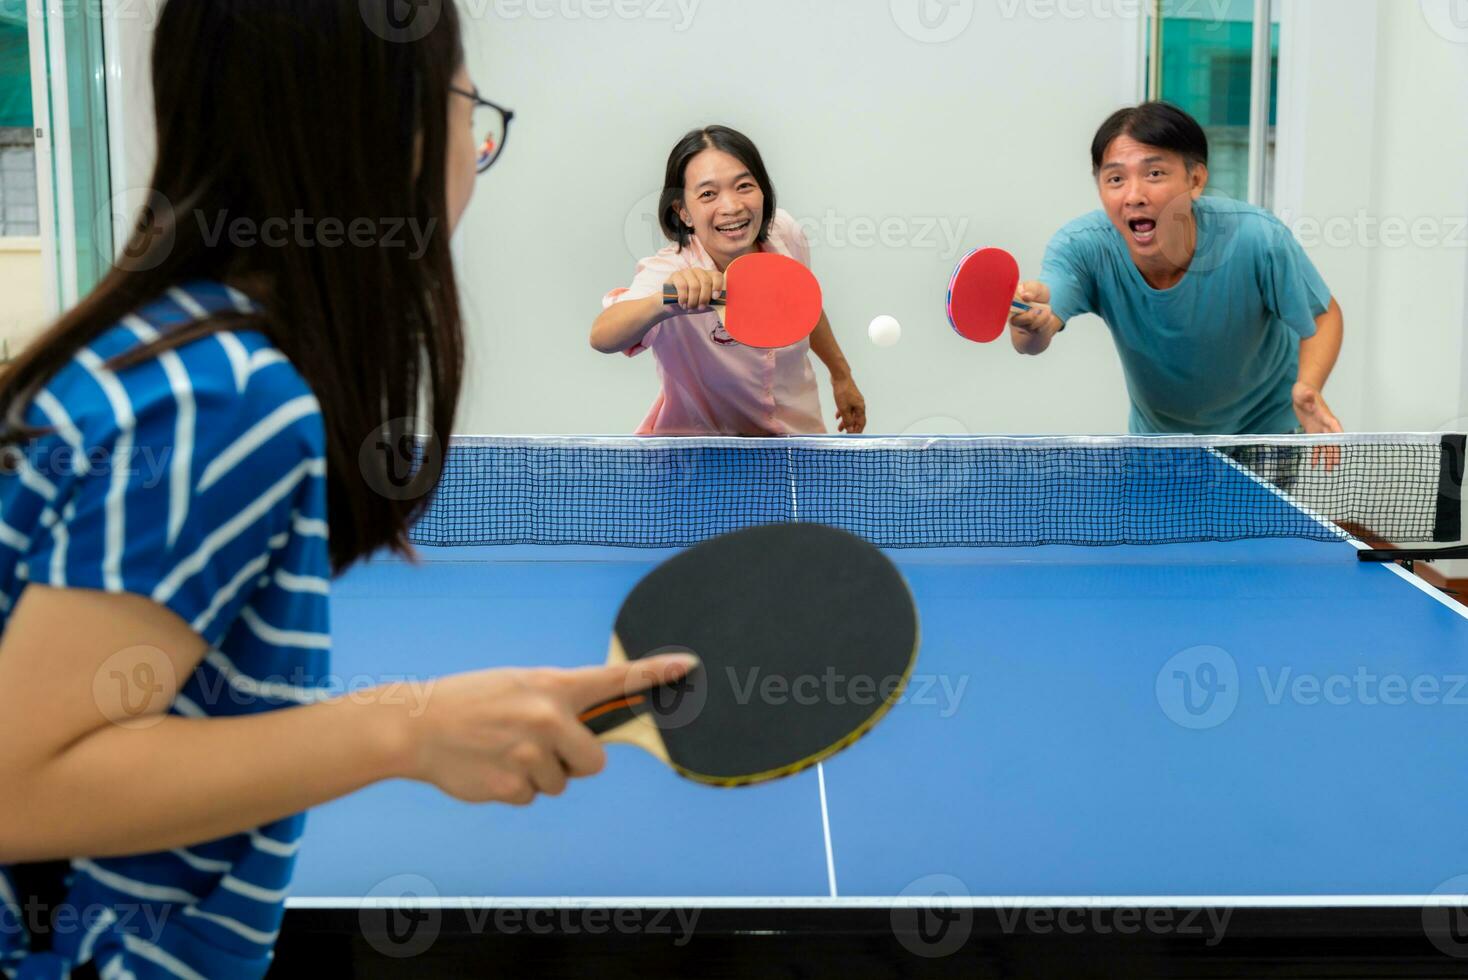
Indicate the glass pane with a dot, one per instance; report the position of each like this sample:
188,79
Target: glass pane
1269,161
1207,58
91,183
15,67
18,204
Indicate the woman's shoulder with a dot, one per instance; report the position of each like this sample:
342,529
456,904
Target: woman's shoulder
225,381
673,256
788,237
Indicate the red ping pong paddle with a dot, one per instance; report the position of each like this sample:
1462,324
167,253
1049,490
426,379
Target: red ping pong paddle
770,300
807,636
981,294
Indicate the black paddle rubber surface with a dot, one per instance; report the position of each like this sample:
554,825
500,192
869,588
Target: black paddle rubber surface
807,635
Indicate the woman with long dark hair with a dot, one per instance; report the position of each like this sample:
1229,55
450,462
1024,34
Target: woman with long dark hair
184,471
718,203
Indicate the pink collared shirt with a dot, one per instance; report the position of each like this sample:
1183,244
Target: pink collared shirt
712,384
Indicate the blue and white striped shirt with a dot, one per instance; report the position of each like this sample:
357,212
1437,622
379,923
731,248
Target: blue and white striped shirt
197,478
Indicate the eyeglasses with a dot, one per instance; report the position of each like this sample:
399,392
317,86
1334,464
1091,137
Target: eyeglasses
491,127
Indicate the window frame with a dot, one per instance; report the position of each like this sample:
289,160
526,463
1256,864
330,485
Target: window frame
1261,182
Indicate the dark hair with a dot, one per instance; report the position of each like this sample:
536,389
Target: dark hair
732,142
267,110
1159,124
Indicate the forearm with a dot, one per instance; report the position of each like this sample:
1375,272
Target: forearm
1031,342
823,344
1036,337
180,781
1032,330
622,326
1319,353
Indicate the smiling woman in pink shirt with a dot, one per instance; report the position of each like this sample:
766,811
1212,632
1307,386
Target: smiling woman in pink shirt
718,204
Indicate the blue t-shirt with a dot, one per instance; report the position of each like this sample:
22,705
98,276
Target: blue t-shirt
1219,352
198,479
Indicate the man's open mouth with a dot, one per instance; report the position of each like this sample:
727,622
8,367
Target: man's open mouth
1144,230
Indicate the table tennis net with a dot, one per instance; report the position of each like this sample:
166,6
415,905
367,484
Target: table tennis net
943,491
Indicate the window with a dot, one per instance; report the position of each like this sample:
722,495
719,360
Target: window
71,149
1209,58
18,204
55,214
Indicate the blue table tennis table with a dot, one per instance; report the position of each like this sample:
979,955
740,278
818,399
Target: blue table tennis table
1251,749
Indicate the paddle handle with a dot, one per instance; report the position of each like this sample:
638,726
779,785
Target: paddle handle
670,296
624,718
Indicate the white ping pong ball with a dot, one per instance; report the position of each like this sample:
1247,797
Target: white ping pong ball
885,331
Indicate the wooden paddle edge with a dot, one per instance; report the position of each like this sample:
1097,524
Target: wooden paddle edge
639,730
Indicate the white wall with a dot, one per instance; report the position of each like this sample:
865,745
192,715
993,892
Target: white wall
982,139
128,30
1422,184
1463,382
1374,140
22,301
983,136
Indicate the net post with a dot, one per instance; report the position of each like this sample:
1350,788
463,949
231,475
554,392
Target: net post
1450,490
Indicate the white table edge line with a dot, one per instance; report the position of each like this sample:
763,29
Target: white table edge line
882,902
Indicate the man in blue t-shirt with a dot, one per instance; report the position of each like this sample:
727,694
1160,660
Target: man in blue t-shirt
1222,323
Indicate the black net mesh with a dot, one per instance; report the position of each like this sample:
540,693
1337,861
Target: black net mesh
949,492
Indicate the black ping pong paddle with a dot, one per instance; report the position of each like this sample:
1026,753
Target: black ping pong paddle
807,636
